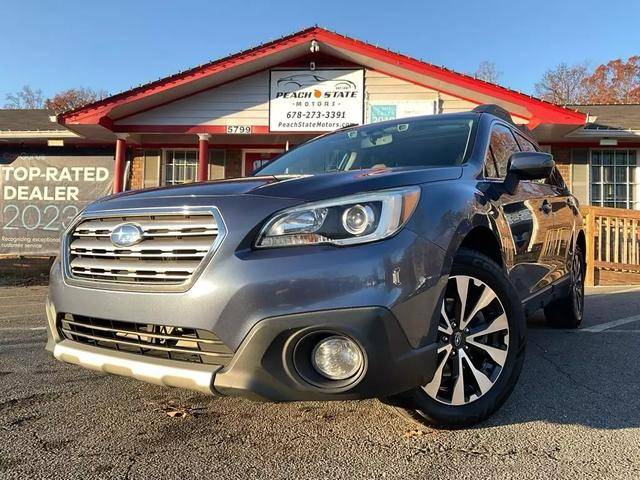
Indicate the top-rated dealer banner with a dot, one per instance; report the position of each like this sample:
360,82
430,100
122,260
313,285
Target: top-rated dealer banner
41,193
315,100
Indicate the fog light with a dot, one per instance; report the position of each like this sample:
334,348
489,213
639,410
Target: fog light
337,358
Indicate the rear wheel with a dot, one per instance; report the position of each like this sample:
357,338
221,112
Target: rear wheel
481,339
567,311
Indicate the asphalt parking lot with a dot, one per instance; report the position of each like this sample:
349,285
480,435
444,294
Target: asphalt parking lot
574,414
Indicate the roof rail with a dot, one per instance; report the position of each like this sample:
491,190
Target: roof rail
495,110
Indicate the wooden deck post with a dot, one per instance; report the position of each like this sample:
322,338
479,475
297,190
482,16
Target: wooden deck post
590,233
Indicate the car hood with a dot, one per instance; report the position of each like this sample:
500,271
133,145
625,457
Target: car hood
302,188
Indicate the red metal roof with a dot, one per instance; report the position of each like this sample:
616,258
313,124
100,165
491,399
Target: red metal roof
540,110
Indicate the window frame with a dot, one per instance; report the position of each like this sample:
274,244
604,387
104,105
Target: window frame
520,137
554,180
633,188
488,149
165,157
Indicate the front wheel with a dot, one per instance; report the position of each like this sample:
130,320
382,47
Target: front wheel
481,346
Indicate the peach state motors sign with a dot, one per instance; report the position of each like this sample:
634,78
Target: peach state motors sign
315,100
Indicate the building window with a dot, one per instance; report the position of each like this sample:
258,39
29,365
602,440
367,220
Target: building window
180,166
217,164
613,178
151,173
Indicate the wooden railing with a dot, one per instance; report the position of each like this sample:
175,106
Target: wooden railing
613,245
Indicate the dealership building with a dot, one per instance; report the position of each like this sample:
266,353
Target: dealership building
225,118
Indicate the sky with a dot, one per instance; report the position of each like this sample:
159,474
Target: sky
118,44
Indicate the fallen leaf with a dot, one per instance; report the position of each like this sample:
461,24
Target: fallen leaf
414,433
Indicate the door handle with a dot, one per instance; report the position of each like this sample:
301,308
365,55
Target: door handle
546,207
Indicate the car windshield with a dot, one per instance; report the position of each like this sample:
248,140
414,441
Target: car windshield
420,142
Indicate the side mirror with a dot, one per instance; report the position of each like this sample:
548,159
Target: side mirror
528,166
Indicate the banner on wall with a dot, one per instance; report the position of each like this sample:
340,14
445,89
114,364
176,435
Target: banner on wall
391,110
41,193
315,100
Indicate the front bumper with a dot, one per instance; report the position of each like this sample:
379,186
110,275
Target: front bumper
383,295
263,367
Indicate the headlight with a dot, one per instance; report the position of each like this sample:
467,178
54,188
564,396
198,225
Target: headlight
360,218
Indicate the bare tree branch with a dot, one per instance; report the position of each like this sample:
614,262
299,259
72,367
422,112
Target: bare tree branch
26,97
563,84
488,72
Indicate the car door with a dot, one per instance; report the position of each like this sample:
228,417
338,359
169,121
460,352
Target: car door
558,242
565,215
525,216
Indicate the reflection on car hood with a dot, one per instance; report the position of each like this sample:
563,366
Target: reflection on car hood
305,188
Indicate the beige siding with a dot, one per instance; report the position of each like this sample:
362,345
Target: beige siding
381,87
451,104
245,101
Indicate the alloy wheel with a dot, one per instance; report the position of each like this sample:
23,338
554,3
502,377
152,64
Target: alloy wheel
474,342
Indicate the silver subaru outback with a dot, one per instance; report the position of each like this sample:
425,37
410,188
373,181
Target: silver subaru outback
396,260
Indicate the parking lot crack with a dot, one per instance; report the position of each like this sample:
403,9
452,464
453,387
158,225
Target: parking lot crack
482,452
562,371
28,401
132,462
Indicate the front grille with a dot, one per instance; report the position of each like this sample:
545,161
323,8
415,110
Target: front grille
159,341
171,250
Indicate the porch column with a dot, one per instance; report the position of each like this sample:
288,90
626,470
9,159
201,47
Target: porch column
121,154
203,157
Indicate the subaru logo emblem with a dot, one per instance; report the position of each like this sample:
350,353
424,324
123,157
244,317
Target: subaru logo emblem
126,235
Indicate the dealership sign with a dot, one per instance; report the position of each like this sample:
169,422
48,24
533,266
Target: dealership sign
40,194
315,100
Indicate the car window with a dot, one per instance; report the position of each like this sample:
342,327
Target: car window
430,141
525,145
502,145
555,179
490,170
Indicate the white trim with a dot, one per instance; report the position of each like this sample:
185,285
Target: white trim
255,150
604,134
38,134
636,196
581,132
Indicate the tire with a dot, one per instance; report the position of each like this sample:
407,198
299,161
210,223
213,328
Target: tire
491,362
567,311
